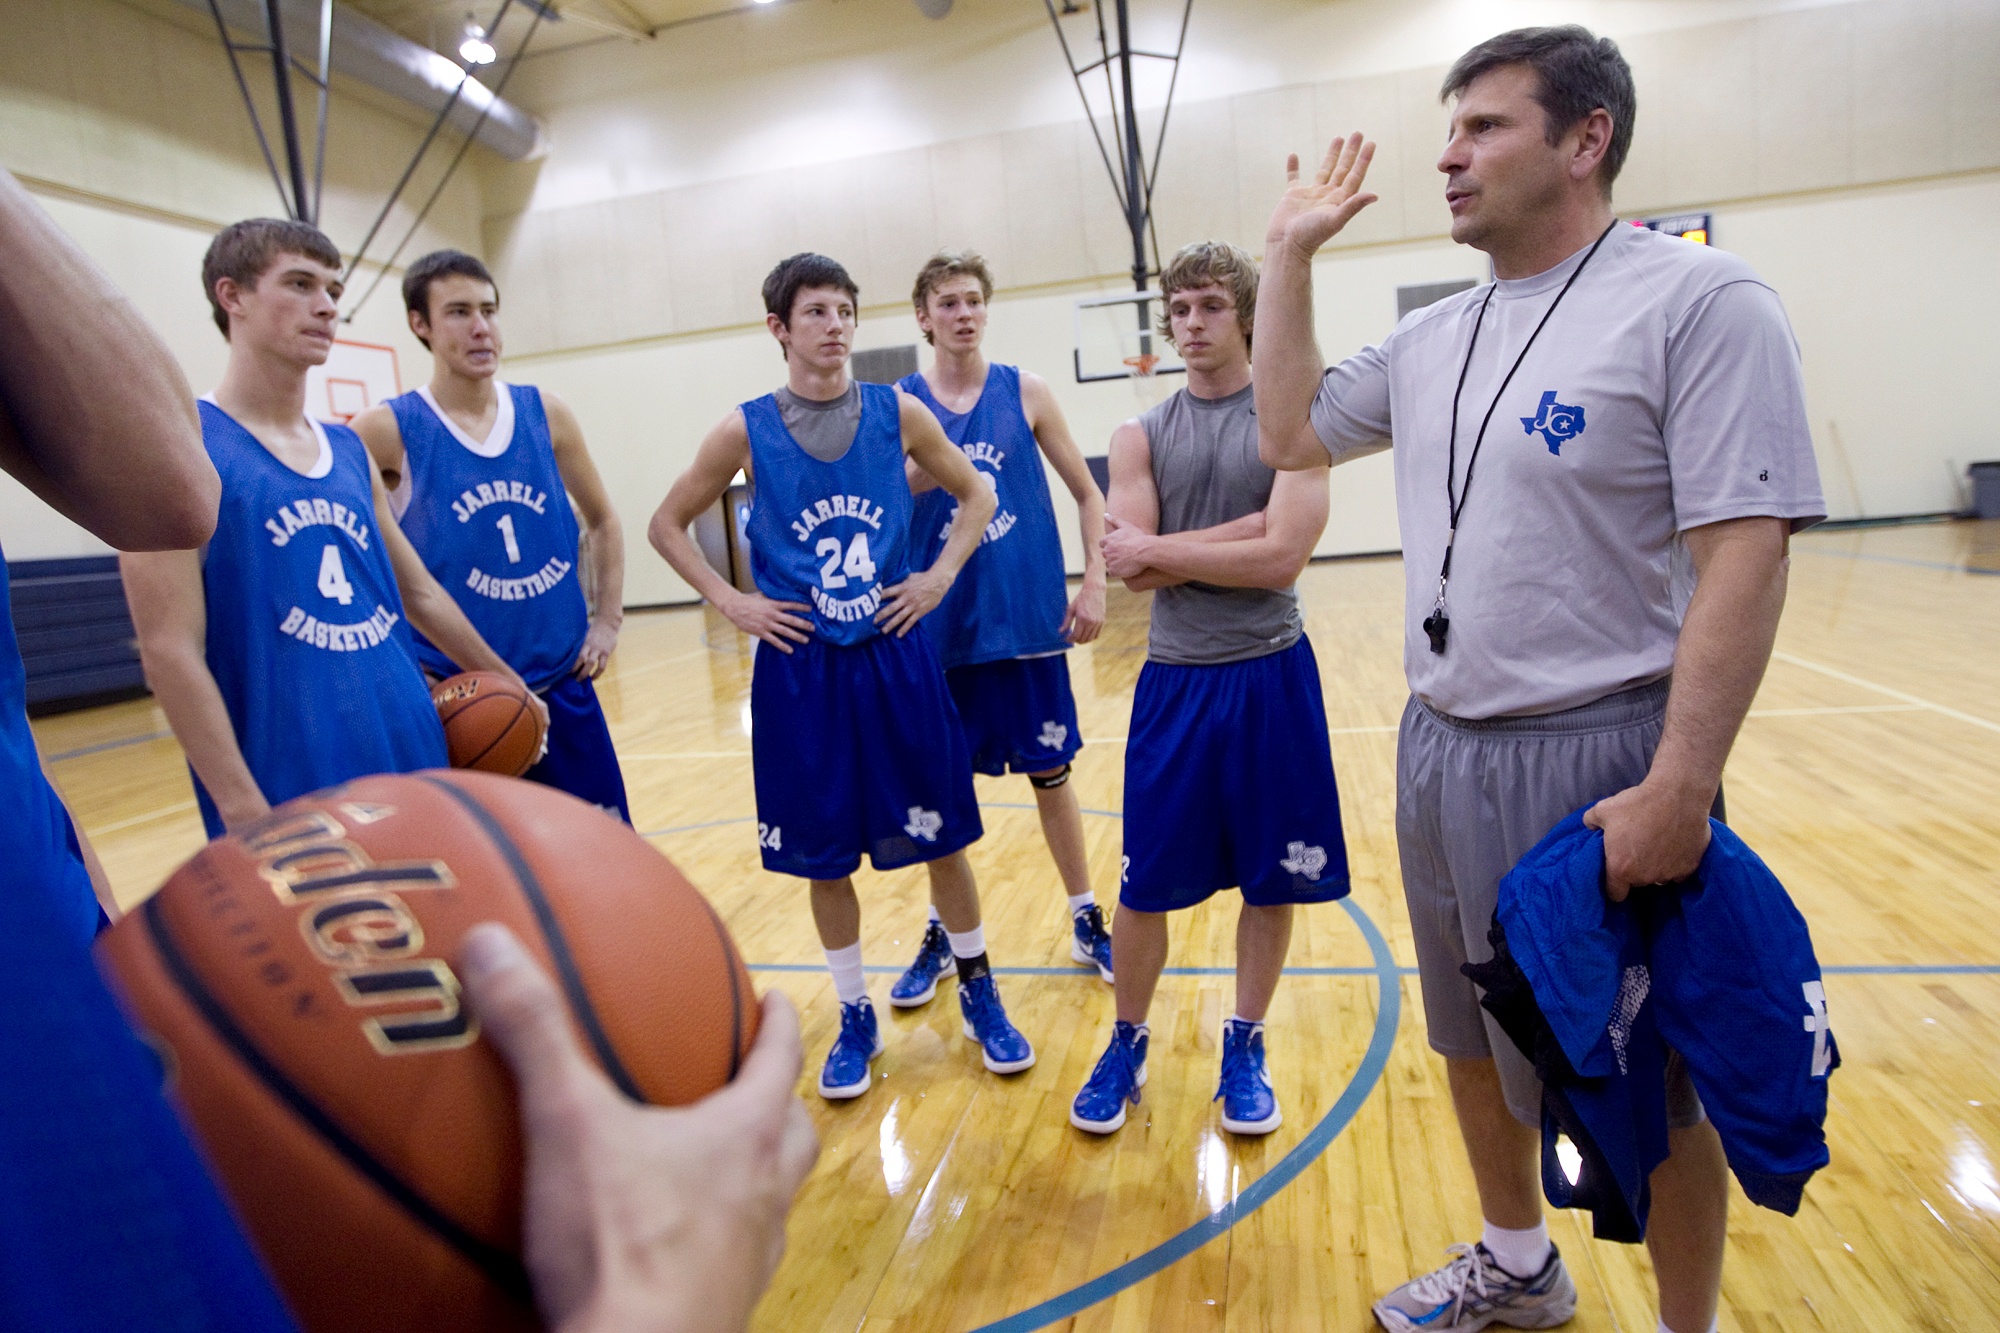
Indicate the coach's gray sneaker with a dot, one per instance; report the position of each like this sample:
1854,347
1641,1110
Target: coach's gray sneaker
1473,1291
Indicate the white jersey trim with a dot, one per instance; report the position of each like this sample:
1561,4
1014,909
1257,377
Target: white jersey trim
321,465
497,440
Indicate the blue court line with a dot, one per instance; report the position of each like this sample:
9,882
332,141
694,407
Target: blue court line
1898,560
1388,1014
1084,973
102,746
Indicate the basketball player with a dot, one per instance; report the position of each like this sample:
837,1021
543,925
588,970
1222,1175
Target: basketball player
1643,404
480,476
278,651
1228,773
855,743
1003,629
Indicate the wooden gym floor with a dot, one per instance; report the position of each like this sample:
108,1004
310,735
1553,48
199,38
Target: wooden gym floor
950,1199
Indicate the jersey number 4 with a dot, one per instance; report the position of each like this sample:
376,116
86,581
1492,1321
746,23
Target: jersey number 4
333,577
855,564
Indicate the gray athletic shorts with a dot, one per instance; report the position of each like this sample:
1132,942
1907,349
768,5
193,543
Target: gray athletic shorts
1471,799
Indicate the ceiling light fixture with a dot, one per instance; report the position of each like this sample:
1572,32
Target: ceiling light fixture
475,49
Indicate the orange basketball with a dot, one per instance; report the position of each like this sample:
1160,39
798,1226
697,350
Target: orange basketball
298,974
488,724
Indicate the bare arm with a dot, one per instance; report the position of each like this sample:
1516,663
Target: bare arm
98,420
1085,618
170,614
1656,832
918,595
607,535
1271,558
724,452
1134,509
378,430
431,609
1288,365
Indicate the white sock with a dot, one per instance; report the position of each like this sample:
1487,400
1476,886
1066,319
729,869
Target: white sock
934,915
967,943
848,978
1714,1325
1079,901
1521,1253
1257,1023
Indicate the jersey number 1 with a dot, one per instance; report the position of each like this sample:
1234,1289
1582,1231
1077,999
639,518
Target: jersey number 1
507,535
854,565
333,577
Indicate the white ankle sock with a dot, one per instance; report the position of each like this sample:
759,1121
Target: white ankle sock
967,943
1079,901
1714,1325
1521,1253
848,978
1257,1023
934,915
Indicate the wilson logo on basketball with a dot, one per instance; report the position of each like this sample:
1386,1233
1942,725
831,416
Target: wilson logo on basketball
354,922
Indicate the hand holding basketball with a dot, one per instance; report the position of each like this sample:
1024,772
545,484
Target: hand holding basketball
639,1217
1312,212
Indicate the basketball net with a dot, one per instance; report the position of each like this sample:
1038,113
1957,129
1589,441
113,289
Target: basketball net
1142,365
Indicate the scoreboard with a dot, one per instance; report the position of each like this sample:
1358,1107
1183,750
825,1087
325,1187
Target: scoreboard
1688,226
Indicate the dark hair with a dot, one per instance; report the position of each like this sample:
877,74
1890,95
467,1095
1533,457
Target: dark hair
950,264
417,280
245,251
1578,74
804,269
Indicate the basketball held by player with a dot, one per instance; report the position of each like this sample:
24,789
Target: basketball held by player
481,476
1228,771
855,744
1004,629
280,651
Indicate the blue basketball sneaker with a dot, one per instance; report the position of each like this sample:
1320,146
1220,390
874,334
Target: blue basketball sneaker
1091,943
1002,1046
919,980
1248,1104
1120,1073
860,1041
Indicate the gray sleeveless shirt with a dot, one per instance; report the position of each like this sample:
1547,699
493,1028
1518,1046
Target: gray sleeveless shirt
1206,469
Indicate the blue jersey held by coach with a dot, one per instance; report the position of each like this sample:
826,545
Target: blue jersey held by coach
1010,599
306,638
494,526
831,535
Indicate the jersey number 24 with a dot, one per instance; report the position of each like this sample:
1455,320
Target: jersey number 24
854,564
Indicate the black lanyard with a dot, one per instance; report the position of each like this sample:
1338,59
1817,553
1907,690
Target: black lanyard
1438,625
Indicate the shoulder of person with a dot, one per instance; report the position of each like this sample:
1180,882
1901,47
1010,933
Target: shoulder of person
1680,273
1436,317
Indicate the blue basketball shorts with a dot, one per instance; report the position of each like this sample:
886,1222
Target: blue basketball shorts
857,749
1018,713
581,760
1229,784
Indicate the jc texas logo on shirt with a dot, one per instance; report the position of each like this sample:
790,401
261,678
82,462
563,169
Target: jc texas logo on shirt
845,566
284,526
509,589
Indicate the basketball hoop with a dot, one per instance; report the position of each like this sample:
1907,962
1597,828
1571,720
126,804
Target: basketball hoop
1142,365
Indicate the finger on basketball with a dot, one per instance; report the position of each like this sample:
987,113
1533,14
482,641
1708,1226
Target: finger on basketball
521,1014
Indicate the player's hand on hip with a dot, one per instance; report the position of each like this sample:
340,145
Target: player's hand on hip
1312,210
1125,548
779,624
1652,835
911,600
640,1218
596,653
1085,619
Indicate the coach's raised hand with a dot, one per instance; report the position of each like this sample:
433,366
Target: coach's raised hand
1311,212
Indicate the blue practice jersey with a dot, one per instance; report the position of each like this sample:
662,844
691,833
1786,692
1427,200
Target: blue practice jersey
493,524
830,535
1010,599
42,852
306,638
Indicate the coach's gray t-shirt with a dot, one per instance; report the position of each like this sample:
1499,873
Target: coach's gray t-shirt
1206,470
1665,393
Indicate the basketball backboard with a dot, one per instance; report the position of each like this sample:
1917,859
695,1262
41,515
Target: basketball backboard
356,376
1117,337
